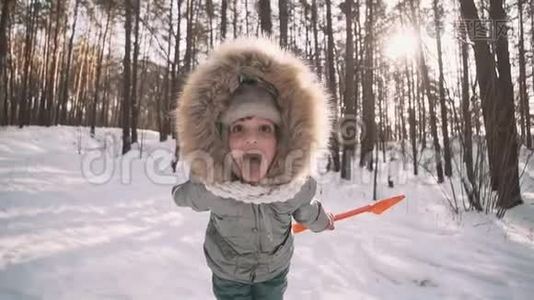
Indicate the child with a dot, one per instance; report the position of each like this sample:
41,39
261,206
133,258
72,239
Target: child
249,121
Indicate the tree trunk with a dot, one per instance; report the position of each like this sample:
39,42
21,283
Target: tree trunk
402,132
442,101
65,96
195,37
3,30
126,79
411,117
31,15
81,58
433,118
13,95
307,40
234,21
486,77
531,56
76,111
499,119
422,110
524,106
165,129
39,110
53,69
334,145
246,17
175,71
33,83
349,140
282,8
210,12
380,87
509,191
368,101
431,101
98,74
317,51
176,83
135,105
224,19
4,27
104,113
188,37
473,194
358,58
265,16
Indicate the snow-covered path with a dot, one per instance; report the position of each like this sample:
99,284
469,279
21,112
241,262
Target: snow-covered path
66,234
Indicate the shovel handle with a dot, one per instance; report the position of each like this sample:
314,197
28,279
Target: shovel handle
298,228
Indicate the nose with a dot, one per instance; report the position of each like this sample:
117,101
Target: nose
251,139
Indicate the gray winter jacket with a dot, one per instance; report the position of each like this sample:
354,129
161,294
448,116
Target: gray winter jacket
251,242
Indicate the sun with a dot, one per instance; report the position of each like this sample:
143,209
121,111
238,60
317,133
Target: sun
403,43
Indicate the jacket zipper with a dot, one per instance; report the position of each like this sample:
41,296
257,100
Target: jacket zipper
256,230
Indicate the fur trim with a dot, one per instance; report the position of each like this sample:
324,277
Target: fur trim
247,193
303,103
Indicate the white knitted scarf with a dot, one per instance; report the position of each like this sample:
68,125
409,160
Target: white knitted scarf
256,194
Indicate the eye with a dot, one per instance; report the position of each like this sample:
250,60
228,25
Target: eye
266,129
236,128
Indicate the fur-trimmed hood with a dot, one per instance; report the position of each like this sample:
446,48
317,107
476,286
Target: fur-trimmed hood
302,101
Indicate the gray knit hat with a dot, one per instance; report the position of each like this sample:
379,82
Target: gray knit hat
252,98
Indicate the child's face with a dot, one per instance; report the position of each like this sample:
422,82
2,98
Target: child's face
252,143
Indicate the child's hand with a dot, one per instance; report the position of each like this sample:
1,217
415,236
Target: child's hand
330,222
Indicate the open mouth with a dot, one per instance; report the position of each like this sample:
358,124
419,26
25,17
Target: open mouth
252,158
251,165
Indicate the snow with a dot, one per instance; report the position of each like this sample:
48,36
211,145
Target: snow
79,221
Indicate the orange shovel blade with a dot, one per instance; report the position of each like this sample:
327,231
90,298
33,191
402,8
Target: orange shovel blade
380,206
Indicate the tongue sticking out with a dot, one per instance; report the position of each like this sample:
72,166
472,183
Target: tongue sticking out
252,166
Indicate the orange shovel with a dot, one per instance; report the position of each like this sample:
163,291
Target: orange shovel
377,208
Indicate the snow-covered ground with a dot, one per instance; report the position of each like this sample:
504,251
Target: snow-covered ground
78,221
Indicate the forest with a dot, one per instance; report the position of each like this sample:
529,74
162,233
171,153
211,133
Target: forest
450,82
